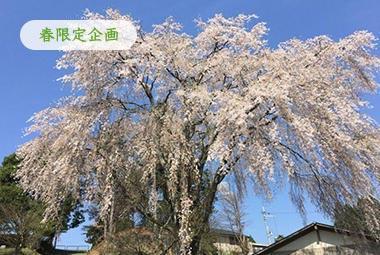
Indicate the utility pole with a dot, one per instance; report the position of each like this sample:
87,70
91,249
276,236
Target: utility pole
266,216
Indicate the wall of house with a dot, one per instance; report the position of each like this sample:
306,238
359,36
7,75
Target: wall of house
227,248
223,244
329,244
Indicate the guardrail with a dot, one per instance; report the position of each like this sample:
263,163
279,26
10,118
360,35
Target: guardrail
73,247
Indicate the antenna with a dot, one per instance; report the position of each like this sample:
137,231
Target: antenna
266,216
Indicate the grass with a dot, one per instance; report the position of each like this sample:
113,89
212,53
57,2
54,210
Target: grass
10,251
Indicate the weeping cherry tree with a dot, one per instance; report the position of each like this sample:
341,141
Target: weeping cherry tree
184,112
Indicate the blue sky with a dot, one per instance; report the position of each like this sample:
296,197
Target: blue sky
28,78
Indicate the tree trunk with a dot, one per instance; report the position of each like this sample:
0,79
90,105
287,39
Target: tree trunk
203,223
195,245
18,249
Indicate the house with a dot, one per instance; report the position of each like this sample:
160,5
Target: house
227,242
322,239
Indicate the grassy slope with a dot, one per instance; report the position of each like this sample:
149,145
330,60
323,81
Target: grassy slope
10,251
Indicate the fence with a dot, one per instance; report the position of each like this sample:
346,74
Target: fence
73,247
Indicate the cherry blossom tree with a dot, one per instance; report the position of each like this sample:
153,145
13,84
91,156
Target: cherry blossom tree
183,112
